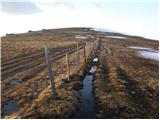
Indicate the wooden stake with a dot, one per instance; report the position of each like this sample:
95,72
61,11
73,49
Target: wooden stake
90,49
84,53
109,51
50,72
87,50
78,64
68,68
94,47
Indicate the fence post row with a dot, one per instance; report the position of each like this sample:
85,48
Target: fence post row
68,67
50,72
92,49
49,64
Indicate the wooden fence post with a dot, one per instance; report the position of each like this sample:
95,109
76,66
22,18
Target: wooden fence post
87,50
50,72
68,68
109,51
98,43
94,47
90,49
105,46
78,64
84,53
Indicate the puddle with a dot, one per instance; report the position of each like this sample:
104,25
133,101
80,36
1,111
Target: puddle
86,100
10,107
86,110
15,82
147,53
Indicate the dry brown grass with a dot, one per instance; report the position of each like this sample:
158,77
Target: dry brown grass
126,86
132,85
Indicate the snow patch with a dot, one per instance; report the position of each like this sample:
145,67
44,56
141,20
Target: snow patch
90,36
95,60
147,53
93,69
119,37
101,30
84,37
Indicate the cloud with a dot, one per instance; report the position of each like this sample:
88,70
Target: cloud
137,19
19,7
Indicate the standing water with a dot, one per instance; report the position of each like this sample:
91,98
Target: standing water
10,107
86,109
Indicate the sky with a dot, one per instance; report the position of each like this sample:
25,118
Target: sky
133,17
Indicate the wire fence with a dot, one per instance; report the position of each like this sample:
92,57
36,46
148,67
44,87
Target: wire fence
71,63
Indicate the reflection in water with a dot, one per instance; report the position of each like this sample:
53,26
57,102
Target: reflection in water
86,100
10,107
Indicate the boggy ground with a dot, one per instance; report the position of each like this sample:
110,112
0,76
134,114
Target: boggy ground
126,85
46,106
25,75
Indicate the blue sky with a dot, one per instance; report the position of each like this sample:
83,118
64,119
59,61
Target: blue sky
135,17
